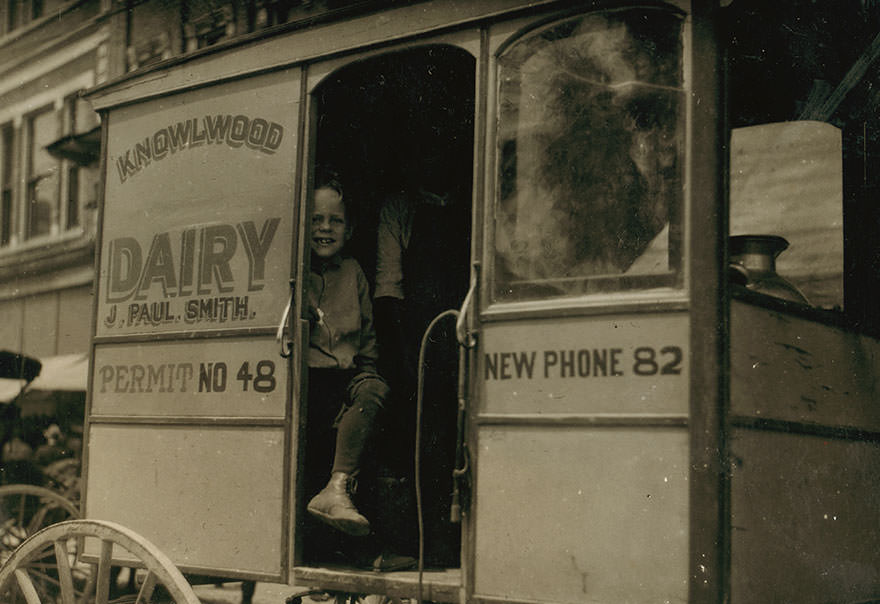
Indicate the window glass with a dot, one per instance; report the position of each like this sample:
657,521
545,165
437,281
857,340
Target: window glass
73,196
208,23
590,137
11,15
6,180
50,7
81,167
150,35
42,193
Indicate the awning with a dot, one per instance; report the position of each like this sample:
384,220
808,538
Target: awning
15,366
9,389
64,373
69,372
84,149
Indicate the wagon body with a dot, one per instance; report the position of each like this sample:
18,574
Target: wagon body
637,427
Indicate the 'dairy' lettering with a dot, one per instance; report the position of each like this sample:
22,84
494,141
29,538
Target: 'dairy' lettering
201,262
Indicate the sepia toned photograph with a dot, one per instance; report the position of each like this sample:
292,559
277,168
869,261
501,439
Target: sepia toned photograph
439,301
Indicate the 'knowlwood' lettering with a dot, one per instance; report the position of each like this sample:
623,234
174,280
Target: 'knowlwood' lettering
235,131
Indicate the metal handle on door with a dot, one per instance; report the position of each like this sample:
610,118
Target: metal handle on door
286,346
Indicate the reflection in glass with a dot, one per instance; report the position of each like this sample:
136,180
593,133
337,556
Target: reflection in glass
590,134
42,189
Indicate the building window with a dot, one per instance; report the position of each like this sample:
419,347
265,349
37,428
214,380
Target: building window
48,173
21,12
42,175
6,180
72,197
12,12
72,206
150,29
208,25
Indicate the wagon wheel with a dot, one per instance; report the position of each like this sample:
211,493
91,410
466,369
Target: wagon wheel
23,576
62,476
25,509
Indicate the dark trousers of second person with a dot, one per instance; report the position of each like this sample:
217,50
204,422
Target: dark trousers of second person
430,287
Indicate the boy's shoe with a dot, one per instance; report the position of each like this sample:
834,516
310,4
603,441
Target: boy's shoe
320,596
391,562
333,506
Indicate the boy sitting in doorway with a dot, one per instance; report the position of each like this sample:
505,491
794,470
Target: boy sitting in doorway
342,360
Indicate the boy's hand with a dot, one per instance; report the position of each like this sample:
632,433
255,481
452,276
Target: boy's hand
314,315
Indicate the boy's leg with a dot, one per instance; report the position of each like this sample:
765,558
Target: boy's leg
326,394
356,424
333,504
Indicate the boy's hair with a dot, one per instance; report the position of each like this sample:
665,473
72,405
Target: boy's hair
328,178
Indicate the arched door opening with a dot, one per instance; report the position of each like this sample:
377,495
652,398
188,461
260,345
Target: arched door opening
397,130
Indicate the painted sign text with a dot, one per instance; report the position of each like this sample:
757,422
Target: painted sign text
234,130
206,377
198,263
583,363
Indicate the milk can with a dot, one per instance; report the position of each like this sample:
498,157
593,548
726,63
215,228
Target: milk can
753,257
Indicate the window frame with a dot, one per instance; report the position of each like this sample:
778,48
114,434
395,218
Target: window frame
31,180
60,101
7,185
70,207
13,16
669,289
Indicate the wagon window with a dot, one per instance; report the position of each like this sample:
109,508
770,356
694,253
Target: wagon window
589,170
786,181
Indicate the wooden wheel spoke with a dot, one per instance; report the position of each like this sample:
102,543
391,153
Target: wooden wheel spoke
65,575
27,587
35,521
40,566
146,590
89,588
43,562
22,505
42,579
102,586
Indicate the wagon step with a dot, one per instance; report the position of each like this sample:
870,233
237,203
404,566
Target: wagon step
438,585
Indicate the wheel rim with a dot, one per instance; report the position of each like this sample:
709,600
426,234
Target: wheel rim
25,509
28,573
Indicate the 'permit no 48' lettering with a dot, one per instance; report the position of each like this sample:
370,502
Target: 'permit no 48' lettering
163,378
583,363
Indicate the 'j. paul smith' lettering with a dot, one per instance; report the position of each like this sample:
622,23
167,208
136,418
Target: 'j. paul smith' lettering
234,130
197,263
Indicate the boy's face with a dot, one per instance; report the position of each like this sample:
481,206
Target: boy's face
329,228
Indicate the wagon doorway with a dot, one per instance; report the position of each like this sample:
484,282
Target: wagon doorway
397,129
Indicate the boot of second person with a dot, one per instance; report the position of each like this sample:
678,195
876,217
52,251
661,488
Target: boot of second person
333,506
